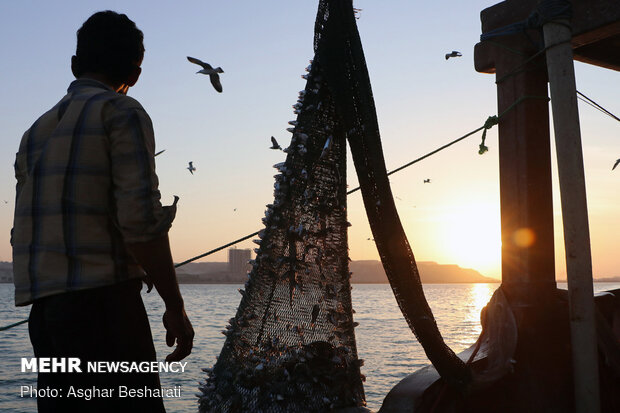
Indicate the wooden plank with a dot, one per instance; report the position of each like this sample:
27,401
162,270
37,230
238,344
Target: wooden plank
574,215
604,53
588,15
593,22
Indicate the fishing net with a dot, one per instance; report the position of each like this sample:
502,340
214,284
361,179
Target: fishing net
291,346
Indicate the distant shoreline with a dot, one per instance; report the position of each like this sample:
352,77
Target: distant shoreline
363,272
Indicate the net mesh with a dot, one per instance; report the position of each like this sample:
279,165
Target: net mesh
291,346
339,48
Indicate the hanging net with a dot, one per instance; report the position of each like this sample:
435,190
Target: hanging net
291,345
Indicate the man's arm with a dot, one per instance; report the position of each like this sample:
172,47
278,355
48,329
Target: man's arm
156,259
140,217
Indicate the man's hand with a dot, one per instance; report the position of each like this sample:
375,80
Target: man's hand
179,329
155,258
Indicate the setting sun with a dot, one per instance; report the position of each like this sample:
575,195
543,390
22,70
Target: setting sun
470,236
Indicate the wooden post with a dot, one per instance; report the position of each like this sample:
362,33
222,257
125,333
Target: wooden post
541,379
574,214
528,267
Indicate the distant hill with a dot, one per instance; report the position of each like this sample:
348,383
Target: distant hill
366,271
608,280
371,271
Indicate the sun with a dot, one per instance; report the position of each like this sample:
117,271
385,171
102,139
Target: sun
470,236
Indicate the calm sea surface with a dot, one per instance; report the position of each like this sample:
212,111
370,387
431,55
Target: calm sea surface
384,340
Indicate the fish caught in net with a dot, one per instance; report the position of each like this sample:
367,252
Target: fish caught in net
291,345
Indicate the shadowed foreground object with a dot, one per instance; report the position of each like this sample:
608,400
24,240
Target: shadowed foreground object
519,367
540,376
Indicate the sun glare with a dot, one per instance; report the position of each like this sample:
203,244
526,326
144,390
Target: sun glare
471,237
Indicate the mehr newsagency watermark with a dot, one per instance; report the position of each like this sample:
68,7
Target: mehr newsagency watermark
74,365
96,392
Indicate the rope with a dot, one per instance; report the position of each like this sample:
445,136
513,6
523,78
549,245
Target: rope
490,122
13,325
216,249
494,120
595,105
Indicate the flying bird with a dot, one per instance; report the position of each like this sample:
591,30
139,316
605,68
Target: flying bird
275,144
160,152
616,164
207,69
427,181
191,167
453,54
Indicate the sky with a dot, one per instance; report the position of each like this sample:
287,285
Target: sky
423,101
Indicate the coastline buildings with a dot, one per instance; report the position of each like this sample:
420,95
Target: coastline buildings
238,260
234,271
6,272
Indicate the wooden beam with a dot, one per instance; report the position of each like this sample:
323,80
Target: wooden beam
588,15
604,53
593,22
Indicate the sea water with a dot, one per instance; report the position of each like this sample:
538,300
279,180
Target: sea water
384,340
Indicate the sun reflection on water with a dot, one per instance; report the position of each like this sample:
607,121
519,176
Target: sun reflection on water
479,296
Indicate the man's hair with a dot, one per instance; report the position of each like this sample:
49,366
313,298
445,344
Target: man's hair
108,43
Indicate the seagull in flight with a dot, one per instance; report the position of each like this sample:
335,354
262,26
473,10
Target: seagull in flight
427,181
453,54
207,69
191,167
275,144
616,164
159,153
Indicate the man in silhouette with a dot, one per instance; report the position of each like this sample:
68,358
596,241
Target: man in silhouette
89,228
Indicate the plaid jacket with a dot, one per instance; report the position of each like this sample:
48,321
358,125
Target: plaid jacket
86,184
